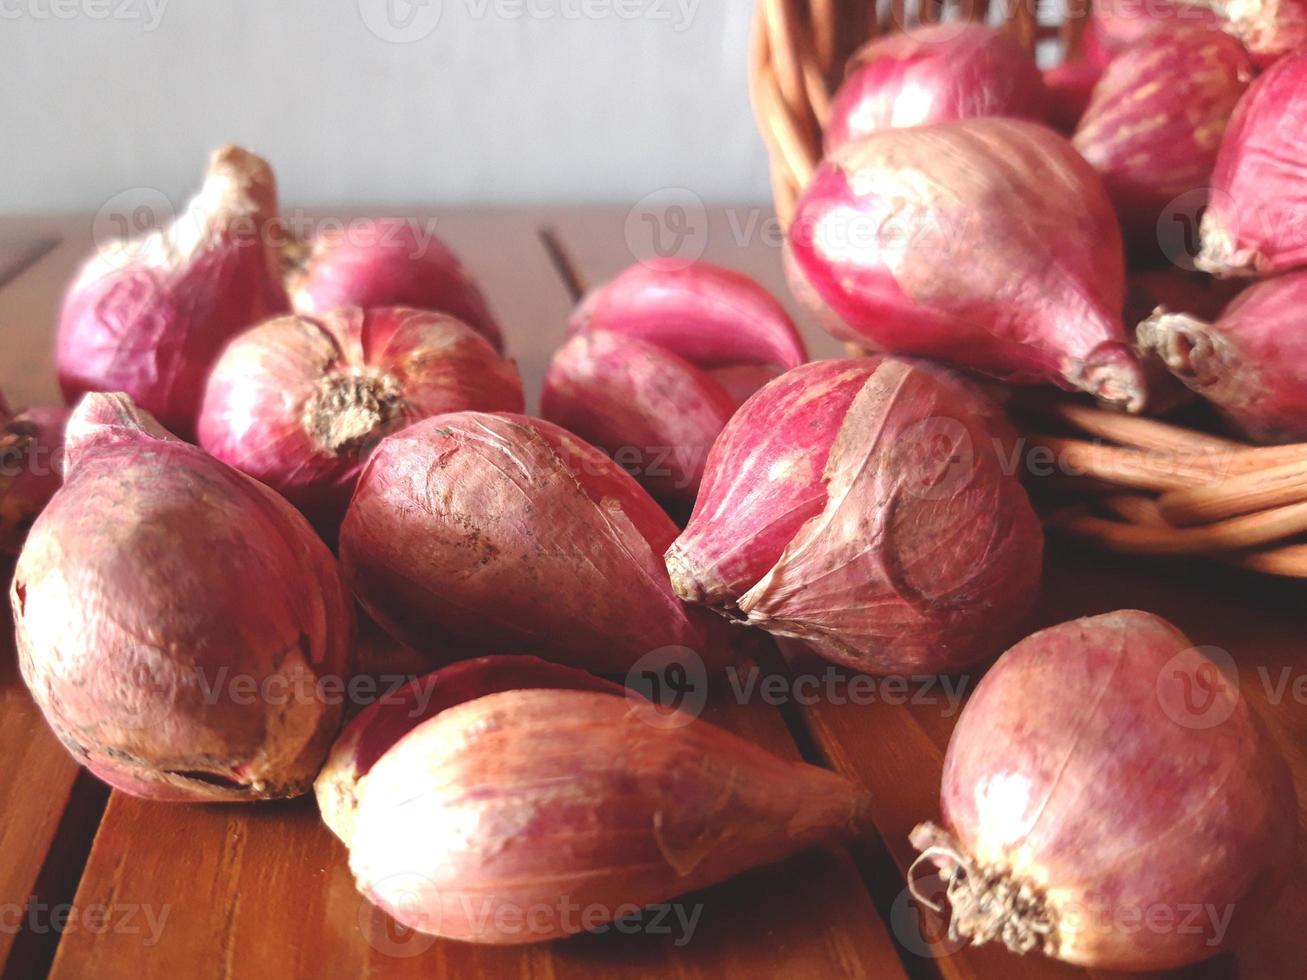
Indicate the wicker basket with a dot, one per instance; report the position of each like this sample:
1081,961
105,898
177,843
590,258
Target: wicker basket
1138,486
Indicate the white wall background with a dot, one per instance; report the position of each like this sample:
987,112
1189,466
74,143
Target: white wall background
360,102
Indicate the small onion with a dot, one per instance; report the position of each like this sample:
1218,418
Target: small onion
1111,799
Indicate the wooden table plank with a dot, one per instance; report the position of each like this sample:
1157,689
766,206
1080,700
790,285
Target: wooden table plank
265,891
897,749
41,846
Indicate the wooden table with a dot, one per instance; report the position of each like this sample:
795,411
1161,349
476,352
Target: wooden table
97,884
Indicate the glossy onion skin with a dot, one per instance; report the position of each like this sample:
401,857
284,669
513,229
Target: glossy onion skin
931,75
988,243
298,402
31,468
1096,762
372,732
386,262
1154,125
149,317
863,507
157,587
478,533
659,359
532,801
1251,362
1256,224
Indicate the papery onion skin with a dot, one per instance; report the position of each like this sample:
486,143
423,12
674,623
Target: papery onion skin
1154,125
174,617
658,359
371,733
1117,24
1251,362
711,316
386,262
148,317
988,243
31,469
540,801
1256,224
298,402
654,412
864,507
1270,29
934,74
1113,770
483,532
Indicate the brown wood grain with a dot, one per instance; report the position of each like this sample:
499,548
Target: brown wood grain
265,891
897,750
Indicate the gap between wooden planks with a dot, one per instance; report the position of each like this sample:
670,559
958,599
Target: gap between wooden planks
264,891
897,750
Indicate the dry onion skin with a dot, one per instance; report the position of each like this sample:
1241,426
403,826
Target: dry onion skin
1250,361
298,402
385,262
490,821
863,507
1110,799
987,243
371,733
659,359
934,74
149,316
476,533
174,619
31,469
1154,125
1256,224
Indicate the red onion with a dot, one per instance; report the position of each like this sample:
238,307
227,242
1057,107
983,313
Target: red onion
149,316
1154,125
1251,362
989,243
379,726
174,618
31,468
658,361
298,402
1070,86
530,815
1111,800
478,533
1117,24
385,262
1256,224
862,506
934,74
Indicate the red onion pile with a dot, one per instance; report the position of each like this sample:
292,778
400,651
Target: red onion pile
385,262
934,74
659,359
989,243
477,533
175,618
1256,224
863,507
148,317
1096,810
299,401
523,791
